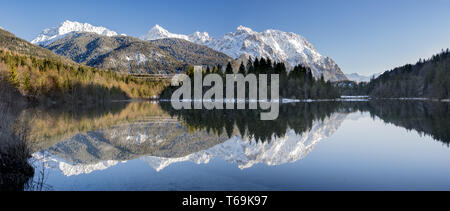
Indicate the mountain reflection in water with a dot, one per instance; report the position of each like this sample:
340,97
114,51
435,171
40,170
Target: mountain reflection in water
161,136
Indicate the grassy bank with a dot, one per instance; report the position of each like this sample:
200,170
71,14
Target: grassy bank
15,171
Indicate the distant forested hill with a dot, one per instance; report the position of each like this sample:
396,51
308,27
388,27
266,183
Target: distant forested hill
427,78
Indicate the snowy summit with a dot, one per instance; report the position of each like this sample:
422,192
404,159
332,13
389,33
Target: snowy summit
55,33
279,46
158,32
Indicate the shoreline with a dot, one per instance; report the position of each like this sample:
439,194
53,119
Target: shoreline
286,100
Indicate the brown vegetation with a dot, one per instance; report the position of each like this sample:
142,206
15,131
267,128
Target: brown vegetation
54,80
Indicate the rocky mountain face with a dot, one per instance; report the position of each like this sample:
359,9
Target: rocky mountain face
279,46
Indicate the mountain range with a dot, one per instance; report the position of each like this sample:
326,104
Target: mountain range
132,55
287,47
290,48
103,48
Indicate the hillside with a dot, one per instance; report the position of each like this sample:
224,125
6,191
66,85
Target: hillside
427,78
40,74
119,53
15,44
131,55
192,53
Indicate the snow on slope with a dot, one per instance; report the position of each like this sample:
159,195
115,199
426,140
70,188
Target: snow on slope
244,153
279,46
53,34
69,169
158,32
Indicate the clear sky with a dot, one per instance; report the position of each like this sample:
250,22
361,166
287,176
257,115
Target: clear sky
361,36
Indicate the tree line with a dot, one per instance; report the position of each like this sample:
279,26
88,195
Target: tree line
299,83
428,78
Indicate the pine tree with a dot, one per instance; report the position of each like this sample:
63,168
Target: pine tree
242,69
256,66
215,70
190,71
269,67
219,69
250,67
229,69
262,66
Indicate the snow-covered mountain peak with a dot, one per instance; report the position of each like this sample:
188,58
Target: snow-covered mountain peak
157,29
55,33
287,47
73,26
201,38
244,29
158,32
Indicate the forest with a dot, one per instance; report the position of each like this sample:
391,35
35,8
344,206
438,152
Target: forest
49,79
428,78
299,83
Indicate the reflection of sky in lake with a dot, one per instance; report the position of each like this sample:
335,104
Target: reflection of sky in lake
363,153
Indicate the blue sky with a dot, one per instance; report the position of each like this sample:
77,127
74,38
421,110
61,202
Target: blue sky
361,36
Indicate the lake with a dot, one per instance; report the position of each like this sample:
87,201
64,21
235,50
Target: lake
347,145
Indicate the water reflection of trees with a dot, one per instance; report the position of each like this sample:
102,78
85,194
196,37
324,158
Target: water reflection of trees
51,125
24,130
297,116
425,117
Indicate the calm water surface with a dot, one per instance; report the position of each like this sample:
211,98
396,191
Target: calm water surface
374,145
